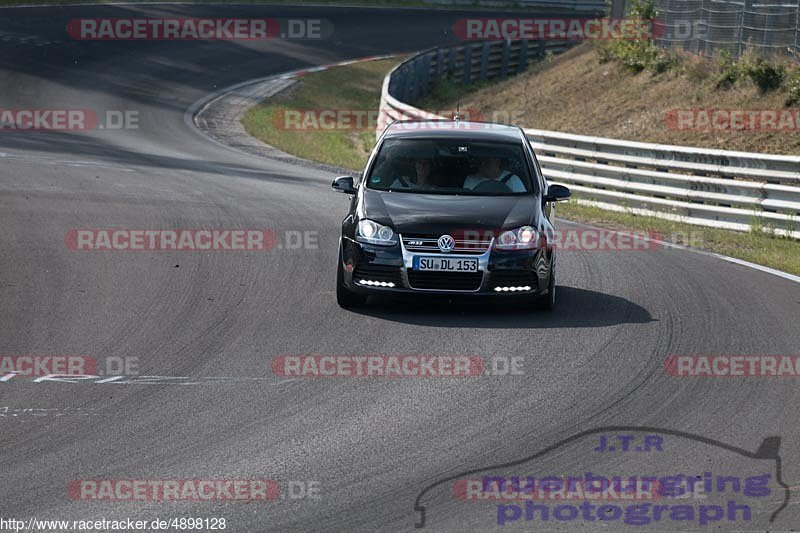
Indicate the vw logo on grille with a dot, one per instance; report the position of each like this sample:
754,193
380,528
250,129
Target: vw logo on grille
446,243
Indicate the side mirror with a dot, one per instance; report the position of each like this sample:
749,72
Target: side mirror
344,184
556,193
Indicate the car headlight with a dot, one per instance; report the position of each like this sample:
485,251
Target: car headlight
374,233
523,238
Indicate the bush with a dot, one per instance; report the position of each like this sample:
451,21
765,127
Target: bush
729,70
644,54
604,53
767,76
635,55
638,54
663,62
643,9
793,87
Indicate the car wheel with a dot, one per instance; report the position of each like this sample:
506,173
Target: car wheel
548,301
346,298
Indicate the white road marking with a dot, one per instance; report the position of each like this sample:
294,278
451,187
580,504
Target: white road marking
75,379
39,412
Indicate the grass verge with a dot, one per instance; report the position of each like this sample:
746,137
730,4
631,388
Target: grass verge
758,247
358,87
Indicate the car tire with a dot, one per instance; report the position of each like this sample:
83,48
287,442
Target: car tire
547,302
346,298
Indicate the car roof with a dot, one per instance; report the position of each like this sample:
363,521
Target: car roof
452,129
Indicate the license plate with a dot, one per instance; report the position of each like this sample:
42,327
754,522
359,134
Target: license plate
445,264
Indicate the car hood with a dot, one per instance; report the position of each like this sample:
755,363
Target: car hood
437,213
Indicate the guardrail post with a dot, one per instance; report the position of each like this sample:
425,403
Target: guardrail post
484,60
437,77
408,85
467,64
504,60
418,78
523,56
424,75
617,9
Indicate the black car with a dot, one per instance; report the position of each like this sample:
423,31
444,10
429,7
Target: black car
449,207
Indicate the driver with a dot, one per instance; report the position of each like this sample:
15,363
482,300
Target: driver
424,178
423,171
491,170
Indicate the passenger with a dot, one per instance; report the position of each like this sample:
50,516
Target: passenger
491,170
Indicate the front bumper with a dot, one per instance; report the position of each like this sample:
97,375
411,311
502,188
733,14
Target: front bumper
371,269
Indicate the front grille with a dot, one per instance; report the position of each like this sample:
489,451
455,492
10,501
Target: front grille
445,281
385,273
514,278
465,244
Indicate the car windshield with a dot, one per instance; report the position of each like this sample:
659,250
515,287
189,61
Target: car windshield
450,166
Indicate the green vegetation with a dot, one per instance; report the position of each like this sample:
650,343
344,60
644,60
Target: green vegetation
642,53
767,74
793,87
759,246
358,89
729,71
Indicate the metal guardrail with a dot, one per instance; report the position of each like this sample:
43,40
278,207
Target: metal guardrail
413,78
715,188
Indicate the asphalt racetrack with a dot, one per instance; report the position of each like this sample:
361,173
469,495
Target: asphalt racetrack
349,454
